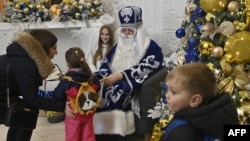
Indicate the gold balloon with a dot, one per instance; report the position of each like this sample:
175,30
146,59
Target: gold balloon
237,46
217,52
233,6
213,5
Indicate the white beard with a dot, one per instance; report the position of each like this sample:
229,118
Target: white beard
126,54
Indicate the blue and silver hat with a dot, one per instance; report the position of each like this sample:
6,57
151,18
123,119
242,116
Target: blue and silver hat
130,16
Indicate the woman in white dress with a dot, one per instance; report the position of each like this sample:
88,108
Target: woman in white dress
105,43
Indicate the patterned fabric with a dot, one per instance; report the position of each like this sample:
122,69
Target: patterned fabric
116,99
130,16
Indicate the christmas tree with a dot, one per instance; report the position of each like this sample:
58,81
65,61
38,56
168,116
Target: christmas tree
217,33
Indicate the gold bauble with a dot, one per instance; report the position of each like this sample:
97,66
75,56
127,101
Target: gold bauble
26,10
213,5
237,46
217,52
89,4
54,9
233,6
38,6
31,6
80,7
226,58
17,6
206,47
96,2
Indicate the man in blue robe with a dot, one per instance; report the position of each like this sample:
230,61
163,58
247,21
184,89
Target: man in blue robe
130,62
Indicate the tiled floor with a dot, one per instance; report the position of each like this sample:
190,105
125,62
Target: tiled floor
46,131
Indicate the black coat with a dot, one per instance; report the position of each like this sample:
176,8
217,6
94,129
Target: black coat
77,75
207,119
28,65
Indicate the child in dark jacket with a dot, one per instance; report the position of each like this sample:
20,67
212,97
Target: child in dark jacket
79,125
192,96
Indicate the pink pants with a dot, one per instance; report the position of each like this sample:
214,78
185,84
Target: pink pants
80,129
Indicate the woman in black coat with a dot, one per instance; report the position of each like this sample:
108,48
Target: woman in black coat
29,57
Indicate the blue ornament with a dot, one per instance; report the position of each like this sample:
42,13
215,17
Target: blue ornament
199,28
194,16
39,14
180,33
23,5
164,89
200,12
192,42
191,55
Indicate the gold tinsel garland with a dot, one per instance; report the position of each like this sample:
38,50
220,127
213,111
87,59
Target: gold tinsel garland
42,10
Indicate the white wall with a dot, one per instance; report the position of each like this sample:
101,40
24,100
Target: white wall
161,18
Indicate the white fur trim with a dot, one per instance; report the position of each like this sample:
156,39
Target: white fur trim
114,122
143,40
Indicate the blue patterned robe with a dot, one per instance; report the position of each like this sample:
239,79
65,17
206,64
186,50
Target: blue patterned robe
114,116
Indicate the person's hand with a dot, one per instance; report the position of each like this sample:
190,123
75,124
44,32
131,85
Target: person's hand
69,112
112,78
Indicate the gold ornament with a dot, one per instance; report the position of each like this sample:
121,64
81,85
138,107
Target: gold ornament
96,2
92,11
54,9
218,74
233,6
26,10
25,1
227,28
68,1
157,129
244,114
226,68
213,5
217,52
31,6
89,4
80,7
226,58
237,45
17,6
206,47
236,77
239,25
38,6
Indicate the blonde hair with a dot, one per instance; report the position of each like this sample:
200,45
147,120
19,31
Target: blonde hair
197,78
98,53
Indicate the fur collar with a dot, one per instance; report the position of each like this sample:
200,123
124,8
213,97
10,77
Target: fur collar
35,51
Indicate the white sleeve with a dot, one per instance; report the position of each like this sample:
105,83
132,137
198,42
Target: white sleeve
90,61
